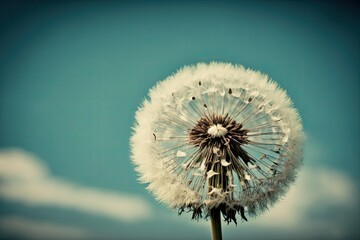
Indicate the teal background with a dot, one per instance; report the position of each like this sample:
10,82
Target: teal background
72,74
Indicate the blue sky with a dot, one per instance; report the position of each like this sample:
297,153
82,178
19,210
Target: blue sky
72,75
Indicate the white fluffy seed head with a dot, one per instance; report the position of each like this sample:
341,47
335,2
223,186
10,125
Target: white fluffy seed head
217,135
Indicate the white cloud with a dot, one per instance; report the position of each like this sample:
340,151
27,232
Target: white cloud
318,189
25,179
19,227
320,204
315,189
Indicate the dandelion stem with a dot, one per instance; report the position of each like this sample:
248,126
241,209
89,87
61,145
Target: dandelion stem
215,224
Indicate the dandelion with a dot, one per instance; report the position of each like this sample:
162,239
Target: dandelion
217,139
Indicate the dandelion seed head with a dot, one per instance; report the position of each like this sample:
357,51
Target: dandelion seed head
217,135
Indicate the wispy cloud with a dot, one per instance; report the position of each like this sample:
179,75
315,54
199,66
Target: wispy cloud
26,179
316,188
321,204
13,226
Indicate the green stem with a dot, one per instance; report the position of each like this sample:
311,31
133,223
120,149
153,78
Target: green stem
215,215
215,218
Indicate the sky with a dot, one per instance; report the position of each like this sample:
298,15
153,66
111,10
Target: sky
73,73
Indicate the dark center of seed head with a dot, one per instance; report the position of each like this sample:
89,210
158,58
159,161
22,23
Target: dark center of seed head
216,131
